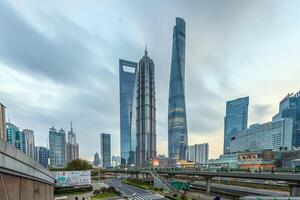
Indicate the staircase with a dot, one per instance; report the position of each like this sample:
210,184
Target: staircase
161,181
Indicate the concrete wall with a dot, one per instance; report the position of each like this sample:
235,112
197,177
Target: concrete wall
21,177
19,188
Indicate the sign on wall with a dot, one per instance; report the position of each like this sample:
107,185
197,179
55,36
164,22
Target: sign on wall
72,178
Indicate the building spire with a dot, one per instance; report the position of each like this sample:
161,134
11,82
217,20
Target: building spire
146,51
71,127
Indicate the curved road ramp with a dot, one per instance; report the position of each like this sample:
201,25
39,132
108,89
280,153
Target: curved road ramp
21,177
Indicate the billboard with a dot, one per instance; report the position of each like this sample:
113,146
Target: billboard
72,178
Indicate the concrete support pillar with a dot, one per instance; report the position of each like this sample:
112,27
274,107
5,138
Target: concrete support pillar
208,185
137,176
294,189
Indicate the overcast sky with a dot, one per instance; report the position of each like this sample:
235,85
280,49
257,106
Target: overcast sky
59,62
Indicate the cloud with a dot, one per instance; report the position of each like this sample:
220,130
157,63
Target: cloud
61,62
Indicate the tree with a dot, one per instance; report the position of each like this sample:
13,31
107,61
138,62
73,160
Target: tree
78,164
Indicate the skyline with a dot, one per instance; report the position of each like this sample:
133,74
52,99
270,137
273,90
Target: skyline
219,51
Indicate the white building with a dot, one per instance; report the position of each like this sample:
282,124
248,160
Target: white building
272,135
29,142
198,153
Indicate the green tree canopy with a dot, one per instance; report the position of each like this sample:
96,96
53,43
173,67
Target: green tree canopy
78,164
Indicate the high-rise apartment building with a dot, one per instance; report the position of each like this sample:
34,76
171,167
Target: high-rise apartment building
2,123
145,112
105,149
236,119
57,147
177,122
201,153
29,142
96,161
72,148
289,107
127,82
41,154
198,153
190,153
274,135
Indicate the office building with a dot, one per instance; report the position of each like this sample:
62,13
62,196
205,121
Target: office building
29,142
289,107
145,112
41,154
274,135
236,120
57,147
177,122
96,161
105,149
72,148
127,82
2,123
13,135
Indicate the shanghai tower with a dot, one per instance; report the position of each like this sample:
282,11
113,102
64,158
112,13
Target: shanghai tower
177,125
145,112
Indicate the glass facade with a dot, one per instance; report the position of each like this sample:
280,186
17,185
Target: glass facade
41,154
236,119
290,108
57,147
13,135
105,150
177,123
127,74
145,112
271,135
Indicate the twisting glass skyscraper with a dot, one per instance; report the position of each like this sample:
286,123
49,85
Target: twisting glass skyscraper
177,125
127,74
145,112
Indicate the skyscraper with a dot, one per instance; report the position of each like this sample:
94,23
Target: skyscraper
57,147
2,123
72,148
41,154
145,112
105,149
96,160
289,107
127,75
236,120
29,135
177,123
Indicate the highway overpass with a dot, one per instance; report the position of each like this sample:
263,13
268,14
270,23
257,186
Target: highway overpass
293,180
21,177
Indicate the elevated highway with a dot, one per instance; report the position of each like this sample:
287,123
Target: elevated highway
293,180
21,177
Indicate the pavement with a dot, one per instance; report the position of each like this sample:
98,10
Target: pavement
133,193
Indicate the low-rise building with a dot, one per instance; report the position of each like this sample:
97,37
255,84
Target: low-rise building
273,135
